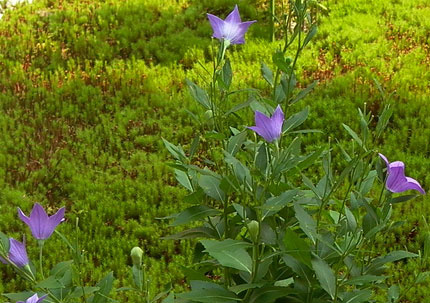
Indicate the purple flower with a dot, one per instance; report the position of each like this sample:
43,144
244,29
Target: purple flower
397,182
269,128
231,29
40,224
34,299
17,253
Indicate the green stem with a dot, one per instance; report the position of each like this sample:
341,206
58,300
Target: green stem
41,243
272,20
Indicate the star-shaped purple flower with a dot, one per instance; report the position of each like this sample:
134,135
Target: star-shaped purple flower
269,128
42,226
231,29
17,253
34,299
397,182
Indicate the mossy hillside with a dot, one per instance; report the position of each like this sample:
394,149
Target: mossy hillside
103,112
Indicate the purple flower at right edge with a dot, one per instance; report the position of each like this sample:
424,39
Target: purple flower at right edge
269,128
397,182
40,224
232,29
34,299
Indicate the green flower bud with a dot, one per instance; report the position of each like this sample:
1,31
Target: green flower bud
136,256
253,228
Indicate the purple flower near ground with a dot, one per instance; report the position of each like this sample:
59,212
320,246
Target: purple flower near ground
231,29
17,253
40,224
269,128
34,299
397,182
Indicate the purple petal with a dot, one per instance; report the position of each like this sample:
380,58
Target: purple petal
217,26
41,299
23,217
411,184
38,221
52,223
396,176
17,253
278,118
238,35
234,16
385,159
262,132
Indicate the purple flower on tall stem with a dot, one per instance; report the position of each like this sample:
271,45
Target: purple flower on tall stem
269,128
232,29
397,182
17,253
42,226
34,299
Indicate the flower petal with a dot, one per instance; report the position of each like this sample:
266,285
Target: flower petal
238,36
217,26
278,118
396,176
410,184
38,221
17,253
384,159
262,132
53,221
234,16
23,217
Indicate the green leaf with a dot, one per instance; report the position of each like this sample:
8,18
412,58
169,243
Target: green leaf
226,74
241,172
4,243
176,151
105,286
210,295
230,253
350,219
197,232
324,275
138,277
299,268
312,32
393,294
354,136
275,204
304,92
297,247
383,120
357,296
50,282
285,282
310,159
198,94
280,62
423,277
21,296
237,289
378,263
261,160
240,106
183,179
194,145
295,120
269,294
401,199
60,269
194,213
364,280
211,187
267,73
235,143
306,222
79,292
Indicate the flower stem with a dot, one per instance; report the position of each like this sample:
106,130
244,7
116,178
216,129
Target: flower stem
41,243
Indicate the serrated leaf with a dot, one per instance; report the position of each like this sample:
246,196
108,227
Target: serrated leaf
297,247
235,143
229,253
183,179
357,296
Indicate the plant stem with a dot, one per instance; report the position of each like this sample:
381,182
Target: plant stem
41,243
272,20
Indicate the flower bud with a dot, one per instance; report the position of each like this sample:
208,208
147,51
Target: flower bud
209,118
136,256
253,228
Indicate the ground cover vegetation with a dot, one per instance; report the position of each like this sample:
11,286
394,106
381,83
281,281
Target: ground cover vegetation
89,88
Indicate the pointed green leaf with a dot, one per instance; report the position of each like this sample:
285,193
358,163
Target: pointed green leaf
194,213
325,275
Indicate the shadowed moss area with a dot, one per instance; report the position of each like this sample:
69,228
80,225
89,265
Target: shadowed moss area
88,88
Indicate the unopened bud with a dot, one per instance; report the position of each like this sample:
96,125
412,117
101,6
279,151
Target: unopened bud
253,228
136,256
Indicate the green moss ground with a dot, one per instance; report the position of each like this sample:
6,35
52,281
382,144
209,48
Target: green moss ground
88,88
